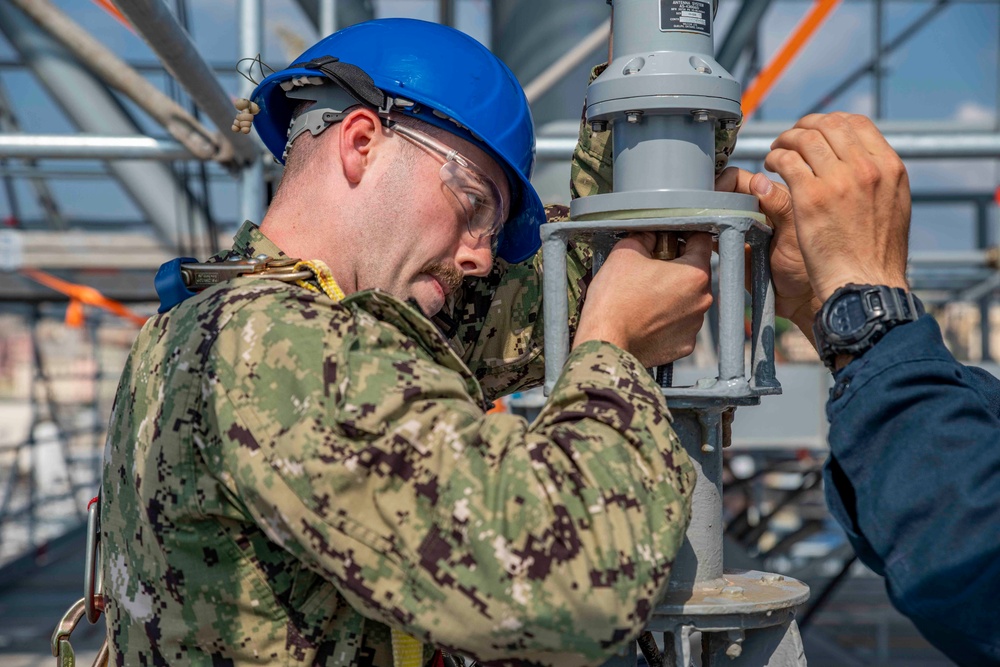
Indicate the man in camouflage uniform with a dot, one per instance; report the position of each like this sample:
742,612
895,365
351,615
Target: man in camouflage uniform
295,473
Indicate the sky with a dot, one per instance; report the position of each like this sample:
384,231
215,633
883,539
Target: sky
947,72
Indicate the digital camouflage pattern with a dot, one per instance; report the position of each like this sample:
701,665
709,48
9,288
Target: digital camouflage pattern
287,476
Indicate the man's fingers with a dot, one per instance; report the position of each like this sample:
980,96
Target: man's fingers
775,200
641,242
790,166
698,249
841,133
868,135
731,180
812,146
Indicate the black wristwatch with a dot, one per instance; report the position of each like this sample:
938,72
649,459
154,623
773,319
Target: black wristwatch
855,317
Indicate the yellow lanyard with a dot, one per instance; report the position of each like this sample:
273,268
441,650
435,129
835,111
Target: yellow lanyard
324,277
406,650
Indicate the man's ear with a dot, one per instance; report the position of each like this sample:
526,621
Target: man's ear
360,133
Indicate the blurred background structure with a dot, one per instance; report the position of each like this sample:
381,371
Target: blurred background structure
109,166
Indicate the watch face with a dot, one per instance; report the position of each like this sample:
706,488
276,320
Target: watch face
847,316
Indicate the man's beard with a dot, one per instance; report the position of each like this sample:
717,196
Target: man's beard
447,274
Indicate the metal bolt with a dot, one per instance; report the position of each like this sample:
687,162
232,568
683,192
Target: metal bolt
633,116
729,124
700,115
735,646
599,125
707,449
732,591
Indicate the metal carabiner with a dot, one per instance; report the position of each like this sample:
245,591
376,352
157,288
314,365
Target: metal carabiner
201,275
61,648
92,575
91,604
102,655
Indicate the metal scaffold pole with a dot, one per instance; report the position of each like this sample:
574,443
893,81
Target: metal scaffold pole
201,142
252,176
664,98
327,17
94,110
966,144
90,147
172,44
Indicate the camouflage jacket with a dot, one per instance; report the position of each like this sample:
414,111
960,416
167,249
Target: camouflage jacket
287,477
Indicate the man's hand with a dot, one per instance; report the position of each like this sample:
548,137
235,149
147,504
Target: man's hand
794,298
649,307
846,218
851,199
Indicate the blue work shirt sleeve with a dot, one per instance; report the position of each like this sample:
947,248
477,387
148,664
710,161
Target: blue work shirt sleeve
914,479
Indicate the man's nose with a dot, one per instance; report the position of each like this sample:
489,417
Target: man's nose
475,256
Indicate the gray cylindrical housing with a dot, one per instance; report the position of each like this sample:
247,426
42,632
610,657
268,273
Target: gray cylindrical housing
700,557
663,96
640,25
664,152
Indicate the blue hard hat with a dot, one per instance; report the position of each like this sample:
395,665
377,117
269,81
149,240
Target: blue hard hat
454,83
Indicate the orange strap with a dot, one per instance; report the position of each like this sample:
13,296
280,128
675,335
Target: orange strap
499,407
761,86
80,295
110,8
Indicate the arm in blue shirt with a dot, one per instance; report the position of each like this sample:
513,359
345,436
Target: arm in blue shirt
914,479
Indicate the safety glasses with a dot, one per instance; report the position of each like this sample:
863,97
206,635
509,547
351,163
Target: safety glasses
477,193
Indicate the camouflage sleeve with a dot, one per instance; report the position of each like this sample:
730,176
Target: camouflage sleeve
480,534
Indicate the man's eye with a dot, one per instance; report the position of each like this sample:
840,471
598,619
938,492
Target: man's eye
478,193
